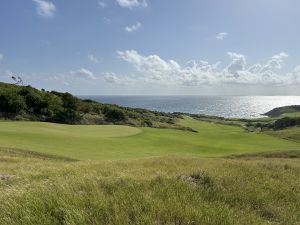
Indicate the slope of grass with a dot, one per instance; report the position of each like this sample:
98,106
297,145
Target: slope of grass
292,133
287,110
168,190
292,114
119,142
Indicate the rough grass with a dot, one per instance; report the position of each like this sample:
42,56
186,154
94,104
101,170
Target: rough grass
163,190
286,154
122,142
292,134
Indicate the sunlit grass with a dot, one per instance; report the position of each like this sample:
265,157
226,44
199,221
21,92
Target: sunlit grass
121,142
168,190
292,133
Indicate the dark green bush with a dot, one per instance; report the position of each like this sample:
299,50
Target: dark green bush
32,104
69,101
286,122
11,102
68,116
114,114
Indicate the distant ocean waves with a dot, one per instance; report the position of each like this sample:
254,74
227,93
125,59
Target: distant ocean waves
225,106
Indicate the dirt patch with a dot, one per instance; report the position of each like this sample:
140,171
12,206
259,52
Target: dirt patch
200,178
6,177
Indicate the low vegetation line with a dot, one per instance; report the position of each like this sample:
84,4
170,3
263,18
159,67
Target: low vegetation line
19,102
278,154
32,154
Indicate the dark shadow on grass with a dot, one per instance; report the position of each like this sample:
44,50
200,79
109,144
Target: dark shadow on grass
295,154
31,154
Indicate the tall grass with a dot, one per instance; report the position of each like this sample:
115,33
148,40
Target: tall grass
168,190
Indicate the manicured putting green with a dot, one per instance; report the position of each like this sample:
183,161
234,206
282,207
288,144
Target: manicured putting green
75,131
120,142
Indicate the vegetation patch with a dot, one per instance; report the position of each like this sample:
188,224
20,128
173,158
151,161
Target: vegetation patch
5,177
27,103
201,178
151,191
279,154
31,154
283,110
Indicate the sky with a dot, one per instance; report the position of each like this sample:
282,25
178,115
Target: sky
152,47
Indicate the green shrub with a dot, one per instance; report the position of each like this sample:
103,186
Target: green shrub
68,116
11,102
286,122
32,104
148,123
114,114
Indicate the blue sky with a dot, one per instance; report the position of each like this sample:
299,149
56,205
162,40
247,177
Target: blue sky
153,47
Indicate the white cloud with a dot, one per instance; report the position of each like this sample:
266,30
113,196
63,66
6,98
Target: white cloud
77,76
221,36
149,64
154,69
275,62
83,74
238,63
111,78
93,59
132,3
102,4
45,8
295,75
133,28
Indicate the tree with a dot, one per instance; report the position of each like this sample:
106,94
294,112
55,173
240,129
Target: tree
35,102
11,102
68,116
114,114
69,101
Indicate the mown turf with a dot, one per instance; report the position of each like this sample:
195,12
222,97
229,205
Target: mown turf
168,190
121,142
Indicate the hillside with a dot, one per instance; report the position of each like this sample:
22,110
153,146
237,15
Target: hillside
28,103
284,111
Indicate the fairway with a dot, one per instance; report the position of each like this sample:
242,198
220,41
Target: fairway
121,142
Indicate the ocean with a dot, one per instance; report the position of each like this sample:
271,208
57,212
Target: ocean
224,106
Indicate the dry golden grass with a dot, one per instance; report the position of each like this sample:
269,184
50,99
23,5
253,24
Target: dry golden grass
163,190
